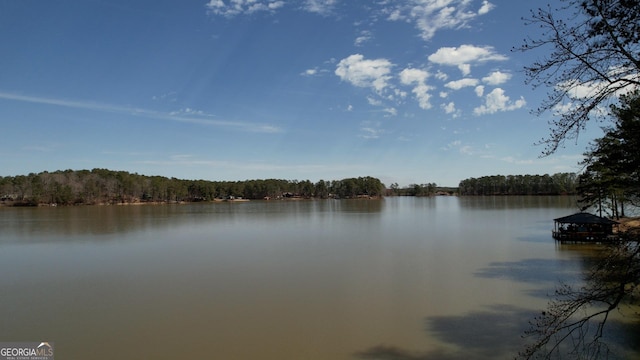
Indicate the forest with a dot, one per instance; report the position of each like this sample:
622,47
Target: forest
428,189
102,186
556,184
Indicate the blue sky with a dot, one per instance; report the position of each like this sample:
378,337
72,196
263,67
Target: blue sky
409,91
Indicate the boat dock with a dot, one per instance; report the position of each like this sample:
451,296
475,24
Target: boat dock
585,228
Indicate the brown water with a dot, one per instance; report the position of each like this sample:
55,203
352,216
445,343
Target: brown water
400,278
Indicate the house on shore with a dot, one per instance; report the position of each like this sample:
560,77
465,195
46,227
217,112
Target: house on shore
585,227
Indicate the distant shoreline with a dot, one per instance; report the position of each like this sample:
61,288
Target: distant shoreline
16,204
104,186
137,202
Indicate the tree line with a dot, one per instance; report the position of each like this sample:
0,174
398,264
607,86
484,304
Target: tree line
556,184
428,189
611,180
103,186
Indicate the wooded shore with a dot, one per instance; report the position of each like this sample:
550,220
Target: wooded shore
102,186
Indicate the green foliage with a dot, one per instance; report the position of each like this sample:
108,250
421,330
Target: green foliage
612,164
357,187
428,189
103,186
556,184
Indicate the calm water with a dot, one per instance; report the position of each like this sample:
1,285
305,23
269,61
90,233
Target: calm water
400,278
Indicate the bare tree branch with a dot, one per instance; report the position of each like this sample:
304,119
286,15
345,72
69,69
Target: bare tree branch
595,57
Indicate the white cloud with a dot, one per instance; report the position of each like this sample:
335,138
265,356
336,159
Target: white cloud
485,8
391,111
187,111
572,105
423,96
370,130
271,6
216,6
464,56
418,78
395,15
409,76
564,108
400,93
578,90
581,91
364,37
365,73
465,69
236,7
171,97
496,78
479,90
441,76
496,101
322,7
374,102
430,16
370,133
450,108
231,8
462,83
310,72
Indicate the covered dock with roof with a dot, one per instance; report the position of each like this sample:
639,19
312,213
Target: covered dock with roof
585,227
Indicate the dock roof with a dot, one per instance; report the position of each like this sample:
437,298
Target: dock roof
584,218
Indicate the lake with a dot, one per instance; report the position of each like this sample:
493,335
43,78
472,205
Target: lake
398,278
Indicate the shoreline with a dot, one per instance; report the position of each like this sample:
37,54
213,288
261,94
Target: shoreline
630,223
159,203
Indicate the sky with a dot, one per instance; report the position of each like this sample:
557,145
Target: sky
410,92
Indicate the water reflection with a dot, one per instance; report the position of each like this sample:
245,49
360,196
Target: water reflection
399,278
46,224
491,333
518,202
66,223
536,271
